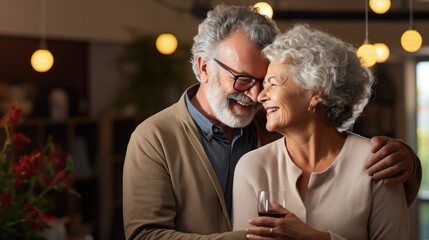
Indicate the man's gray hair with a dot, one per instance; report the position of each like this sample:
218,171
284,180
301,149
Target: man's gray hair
321,62
224,20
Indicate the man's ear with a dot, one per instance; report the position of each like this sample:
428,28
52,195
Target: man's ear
202,69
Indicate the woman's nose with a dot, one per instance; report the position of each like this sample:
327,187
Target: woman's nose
262,97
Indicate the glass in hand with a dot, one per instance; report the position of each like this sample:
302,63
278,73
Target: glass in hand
265,199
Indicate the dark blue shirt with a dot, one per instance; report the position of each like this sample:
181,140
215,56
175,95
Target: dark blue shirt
223,153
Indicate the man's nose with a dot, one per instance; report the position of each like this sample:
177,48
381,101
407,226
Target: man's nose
253,92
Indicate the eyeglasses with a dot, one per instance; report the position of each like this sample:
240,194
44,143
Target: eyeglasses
241,82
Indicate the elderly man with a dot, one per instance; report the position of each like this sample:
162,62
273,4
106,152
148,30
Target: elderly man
180,163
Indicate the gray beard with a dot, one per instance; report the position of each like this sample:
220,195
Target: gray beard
219,102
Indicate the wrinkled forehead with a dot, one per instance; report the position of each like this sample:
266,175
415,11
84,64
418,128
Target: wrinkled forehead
239,53
280,70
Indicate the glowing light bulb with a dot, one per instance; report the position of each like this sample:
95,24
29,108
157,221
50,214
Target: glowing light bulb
382,51
411,40
379,6
367,55
166,43
42,60
264,9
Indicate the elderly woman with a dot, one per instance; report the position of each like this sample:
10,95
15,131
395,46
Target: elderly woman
314,90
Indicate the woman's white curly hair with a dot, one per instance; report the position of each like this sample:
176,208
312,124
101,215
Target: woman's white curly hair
322,62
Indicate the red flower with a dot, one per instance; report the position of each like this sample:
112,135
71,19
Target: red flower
22,176
58,158
36,216
6,198
20,141
11,118
65,178
61,180
26,166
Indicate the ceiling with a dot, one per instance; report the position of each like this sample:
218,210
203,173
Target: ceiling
110,21
311,9
343,18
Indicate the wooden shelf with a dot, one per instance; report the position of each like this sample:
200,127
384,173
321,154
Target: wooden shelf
92,176
113,146
50,121
79,137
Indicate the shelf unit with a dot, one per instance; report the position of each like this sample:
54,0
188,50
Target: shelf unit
99,144
115,133
78,136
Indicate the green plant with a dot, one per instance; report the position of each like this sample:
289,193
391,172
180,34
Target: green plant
26,178
149,75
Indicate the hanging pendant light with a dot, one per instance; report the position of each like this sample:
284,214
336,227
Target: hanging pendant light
379,6
382,51
264,9
411,40
166,43
42,59
367,53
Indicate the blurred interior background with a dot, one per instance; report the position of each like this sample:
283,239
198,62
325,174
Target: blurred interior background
108,76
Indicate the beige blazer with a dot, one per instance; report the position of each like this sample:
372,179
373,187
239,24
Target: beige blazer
170,190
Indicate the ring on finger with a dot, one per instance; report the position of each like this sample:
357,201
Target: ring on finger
271,232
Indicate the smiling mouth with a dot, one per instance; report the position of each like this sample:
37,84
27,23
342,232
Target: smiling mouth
270,110
244,104
241,99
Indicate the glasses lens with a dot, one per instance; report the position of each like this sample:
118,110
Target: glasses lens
244,83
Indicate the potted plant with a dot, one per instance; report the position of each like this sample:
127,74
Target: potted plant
27,178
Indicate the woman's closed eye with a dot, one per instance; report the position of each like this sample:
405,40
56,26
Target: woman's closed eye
270,82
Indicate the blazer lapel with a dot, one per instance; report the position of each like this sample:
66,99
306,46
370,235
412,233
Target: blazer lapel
194,137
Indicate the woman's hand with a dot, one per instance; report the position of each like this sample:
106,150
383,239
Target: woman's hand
289,227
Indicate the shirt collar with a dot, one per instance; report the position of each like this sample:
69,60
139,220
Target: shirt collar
205,126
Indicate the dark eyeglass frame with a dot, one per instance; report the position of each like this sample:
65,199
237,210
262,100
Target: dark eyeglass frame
236,77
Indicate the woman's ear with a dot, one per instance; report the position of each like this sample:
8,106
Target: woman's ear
315,98
202,69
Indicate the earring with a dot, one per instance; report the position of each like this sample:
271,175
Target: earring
311,108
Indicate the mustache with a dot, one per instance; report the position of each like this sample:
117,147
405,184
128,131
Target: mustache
239,96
